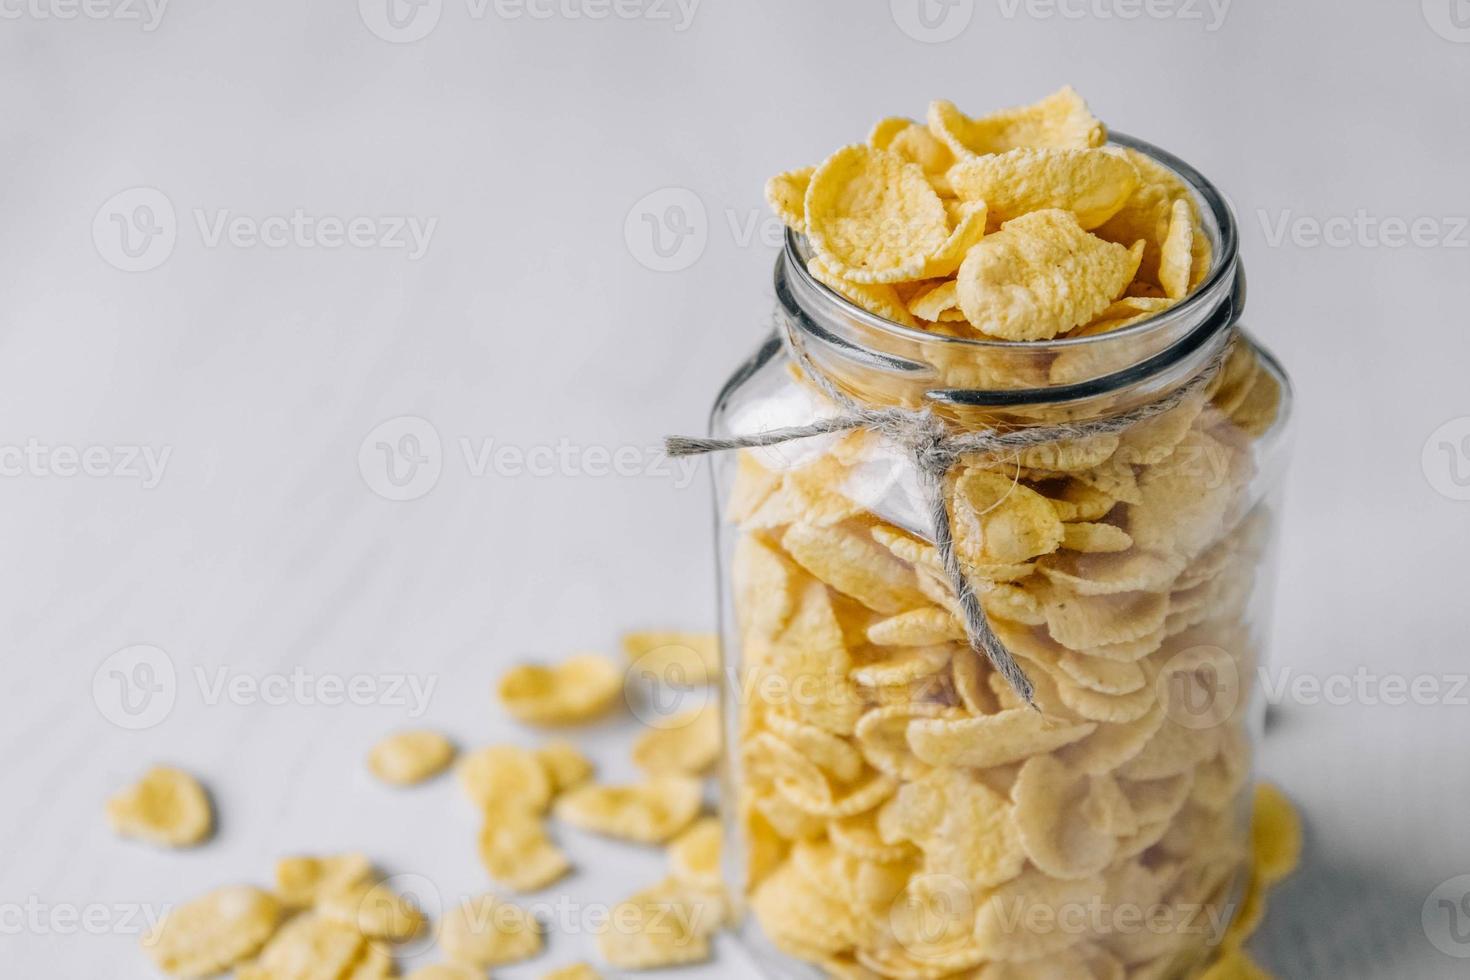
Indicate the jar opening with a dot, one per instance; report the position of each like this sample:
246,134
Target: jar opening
969,371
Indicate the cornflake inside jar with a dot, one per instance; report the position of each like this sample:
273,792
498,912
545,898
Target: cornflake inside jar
898,811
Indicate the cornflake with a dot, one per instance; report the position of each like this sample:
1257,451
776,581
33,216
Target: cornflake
166,807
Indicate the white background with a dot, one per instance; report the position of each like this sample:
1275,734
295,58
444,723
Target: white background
534,319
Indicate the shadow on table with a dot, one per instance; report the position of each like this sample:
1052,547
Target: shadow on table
1337,920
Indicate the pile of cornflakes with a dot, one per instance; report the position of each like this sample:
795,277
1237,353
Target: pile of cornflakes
1021,225
903,813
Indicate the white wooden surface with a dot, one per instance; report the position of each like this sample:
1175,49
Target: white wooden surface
534,319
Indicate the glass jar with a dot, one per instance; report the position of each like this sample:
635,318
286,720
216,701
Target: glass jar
893,808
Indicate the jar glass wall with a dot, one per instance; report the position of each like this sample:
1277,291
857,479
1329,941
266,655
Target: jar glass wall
893,808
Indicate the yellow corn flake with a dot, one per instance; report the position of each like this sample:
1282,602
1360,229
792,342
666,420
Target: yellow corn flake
166,807
998,520
992,740
882,737
1218,782
1184,501
874,216
517,852
1109,573
694,856
913,142
301,881
1257,412
374,910
1176,253
1081,622
916,628
405,758
505,775
1070,455
1276,835
649,813
813,494
853,564
1103,676
968,227
1017,923
1041,275
686,744
580,689
1076,501
311,947
884,131
1082,960
1146,215
1093,184
1153,441
826,805
1095,538
447,971
485,931
213,932
908,548
1052,822
786,821
899,670
964,829
665,925
754,485
675,657
1060,121
577,971
566,767
810,662
765,588
826,751
936,302
801,918
880,299
786,193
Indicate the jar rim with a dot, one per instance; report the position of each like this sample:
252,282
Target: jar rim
1215,289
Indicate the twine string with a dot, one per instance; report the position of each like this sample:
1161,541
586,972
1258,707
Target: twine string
936,447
